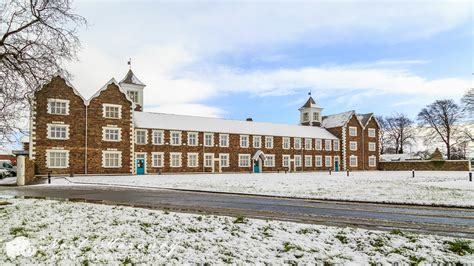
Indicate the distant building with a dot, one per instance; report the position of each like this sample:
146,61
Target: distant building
110,134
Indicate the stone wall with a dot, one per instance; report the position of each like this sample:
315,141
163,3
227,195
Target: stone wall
29,171
455,165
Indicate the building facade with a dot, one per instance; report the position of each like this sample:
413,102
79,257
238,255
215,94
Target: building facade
111,134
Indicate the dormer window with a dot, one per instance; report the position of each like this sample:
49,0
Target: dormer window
133,96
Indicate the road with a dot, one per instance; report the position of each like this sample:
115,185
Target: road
457,222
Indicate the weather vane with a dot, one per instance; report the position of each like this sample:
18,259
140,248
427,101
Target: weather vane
129,63
309,93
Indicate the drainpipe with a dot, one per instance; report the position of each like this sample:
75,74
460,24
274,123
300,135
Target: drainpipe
363,149
85,155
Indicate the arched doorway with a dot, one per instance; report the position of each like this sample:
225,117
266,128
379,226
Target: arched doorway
258,158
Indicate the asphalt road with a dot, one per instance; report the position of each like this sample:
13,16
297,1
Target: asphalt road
423,219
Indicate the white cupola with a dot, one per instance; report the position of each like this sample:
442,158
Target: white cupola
310,113
134,88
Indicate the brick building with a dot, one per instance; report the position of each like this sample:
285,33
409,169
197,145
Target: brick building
111,134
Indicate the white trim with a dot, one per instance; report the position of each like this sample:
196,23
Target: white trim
308,161
318,144
146,136
270,138
338,146
212,139
288,157
162,161
122,90
220,160
50,100
353,145
326,164
320,157
227,140
350,131
104,107
57,125
196,138
371,130
211,155
374,160
259,138
48,155
179,138
308,143
145,157
327,145
299,162
104,129
372,146
180,159
350,161
285,140
246,160
197,159
297,140
112,152
268,156
240,141
162,136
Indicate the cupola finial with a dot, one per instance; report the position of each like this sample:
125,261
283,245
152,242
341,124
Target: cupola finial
129,63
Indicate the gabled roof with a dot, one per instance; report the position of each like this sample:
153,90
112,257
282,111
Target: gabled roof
309,103
219,125
337,120
130,78
111,81
364,118
59,74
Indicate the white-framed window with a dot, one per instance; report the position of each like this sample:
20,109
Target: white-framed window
371,132
316,116
305,117
244,160
208,139
57,159
58,131
318,144
224,140
286,143
372,146
308,161
336,144
297,160
157,159
257,141
193,139
208,159
353,145
58,106
111,159
353,161
113,111
244,141
111,134
269,142
327,144
318,160
308,144
140,136
224,157
269,160
158,136
175,138
285,160
193,159
372,161
352,131
297,143
175,159
133,96
327,161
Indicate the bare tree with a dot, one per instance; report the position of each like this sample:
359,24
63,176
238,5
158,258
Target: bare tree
441,118
36,38
468,101
383,134
400,131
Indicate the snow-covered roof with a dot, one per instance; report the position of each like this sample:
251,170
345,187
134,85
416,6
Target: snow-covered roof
364,118
309,103
398,157
337,120
219,125
130,78
111,81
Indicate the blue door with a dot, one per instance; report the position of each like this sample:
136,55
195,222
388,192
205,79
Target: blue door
256,167
336,166
140,166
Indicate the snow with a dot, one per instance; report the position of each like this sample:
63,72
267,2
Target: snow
428,187
218,125
54,232
337,120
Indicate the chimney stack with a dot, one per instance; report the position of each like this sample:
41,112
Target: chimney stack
249,119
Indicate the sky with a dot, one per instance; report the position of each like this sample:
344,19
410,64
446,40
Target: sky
260,59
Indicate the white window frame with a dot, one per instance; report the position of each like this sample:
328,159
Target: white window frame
206,135
133,97
269,160
353,131
353,145
192,154
257,141
372,146
372,161
268,142
327,159
285,160
180,159
351,164
336,145
109,105
318,161
104,134
227,159
246,137
285,143
136,136
104,159
50,130
298,160
50,107
48,159
224,140
172,140
158,162
318,144
308,161
308,144
371,132
208,159
297,143
155,134
327,145
244,158
196,139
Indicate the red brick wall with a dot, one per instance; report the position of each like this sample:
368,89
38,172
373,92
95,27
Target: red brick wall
371,124
354,122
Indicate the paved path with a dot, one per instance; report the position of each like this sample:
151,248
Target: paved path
434,220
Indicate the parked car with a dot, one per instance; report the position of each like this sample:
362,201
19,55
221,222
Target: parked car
5,165
4,173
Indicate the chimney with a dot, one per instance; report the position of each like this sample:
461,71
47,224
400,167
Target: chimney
249,119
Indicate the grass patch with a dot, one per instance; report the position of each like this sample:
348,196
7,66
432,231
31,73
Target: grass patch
342,237
240,220
397,232
415,260
460,247
18,231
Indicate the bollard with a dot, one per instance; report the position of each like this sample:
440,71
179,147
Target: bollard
49,178
413,173
347,172
329,171
71,175
286,170
470,176
159,173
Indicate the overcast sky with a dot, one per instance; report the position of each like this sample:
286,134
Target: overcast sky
259,60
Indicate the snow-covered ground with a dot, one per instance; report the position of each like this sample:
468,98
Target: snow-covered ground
447,188
54,232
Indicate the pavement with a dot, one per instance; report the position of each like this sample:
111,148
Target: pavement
458,222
